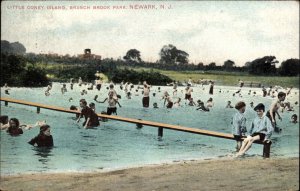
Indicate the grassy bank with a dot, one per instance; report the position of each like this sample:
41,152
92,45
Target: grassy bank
228,78
220,77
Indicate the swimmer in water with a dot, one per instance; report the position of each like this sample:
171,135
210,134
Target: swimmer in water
155,105
44,138
271,113
294,118
167,99
229,105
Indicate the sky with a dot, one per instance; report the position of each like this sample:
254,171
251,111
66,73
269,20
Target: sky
209,31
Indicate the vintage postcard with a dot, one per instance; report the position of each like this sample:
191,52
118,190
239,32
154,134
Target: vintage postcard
149,95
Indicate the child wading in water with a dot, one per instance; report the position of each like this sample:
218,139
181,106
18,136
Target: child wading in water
44,138
91,118
167,99
274,110
239,124
112,102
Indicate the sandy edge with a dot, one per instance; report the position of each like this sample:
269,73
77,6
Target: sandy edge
217,174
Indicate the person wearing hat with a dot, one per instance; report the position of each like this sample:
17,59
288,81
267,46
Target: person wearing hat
261,129
44,138
239,124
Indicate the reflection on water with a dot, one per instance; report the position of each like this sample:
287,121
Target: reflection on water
43,153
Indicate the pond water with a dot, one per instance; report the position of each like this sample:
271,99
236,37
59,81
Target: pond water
116,144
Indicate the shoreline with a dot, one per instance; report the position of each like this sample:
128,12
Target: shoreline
195,85
215,174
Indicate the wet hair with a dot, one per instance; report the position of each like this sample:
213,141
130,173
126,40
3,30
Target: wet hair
73,107
83,101
281,94
239,105
138,125
294,116
3,119
43,128
111,86
210,99
92,104
16,121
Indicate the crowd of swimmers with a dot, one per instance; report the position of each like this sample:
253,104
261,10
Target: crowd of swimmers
261,129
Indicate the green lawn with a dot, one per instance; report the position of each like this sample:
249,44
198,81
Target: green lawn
227,78
220,77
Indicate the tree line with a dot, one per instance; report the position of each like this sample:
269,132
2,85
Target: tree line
22,69
172,58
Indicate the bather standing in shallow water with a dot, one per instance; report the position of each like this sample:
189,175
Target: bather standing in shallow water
271,113
44,138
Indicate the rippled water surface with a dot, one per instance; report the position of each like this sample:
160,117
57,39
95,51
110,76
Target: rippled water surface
116,144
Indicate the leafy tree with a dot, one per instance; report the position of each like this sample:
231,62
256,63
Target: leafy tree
133,55
12,48
34,77
211,66
132,76
228,65
5,47
290,67
263,66
200,66
18,48
169,54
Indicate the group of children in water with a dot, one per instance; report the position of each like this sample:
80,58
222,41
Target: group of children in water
14,128
261,128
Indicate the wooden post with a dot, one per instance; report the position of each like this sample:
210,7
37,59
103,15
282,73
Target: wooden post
38,109
267,149
6,103
160,131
